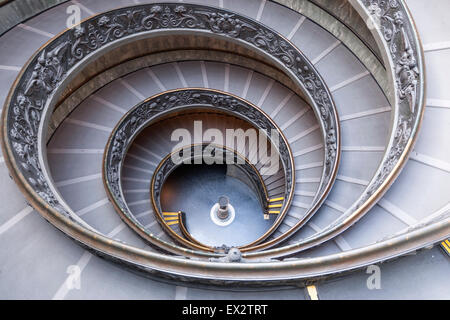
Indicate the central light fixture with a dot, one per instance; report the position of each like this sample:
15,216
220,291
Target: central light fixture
222,213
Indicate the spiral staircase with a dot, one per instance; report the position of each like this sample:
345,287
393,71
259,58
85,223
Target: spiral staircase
355,91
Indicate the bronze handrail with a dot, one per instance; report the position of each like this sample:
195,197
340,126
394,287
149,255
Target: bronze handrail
161,173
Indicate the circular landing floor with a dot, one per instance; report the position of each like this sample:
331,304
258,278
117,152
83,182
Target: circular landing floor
195,189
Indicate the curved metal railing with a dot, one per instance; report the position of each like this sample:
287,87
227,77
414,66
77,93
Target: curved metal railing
156,107
27,109
215,154
393,26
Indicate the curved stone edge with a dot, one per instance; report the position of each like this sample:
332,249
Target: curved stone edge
156,59
396,33
148,111
167,166
428,234
53,62
59,56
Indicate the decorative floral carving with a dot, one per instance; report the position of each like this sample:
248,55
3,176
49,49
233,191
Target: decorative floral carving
226,23
234,255
51,66
27,109
47,72
392,23
401,137
48,69
398,34
150,110
407,73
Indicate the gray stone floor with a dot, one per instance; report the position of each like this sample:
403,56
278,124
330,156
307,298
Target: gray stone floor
420,276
